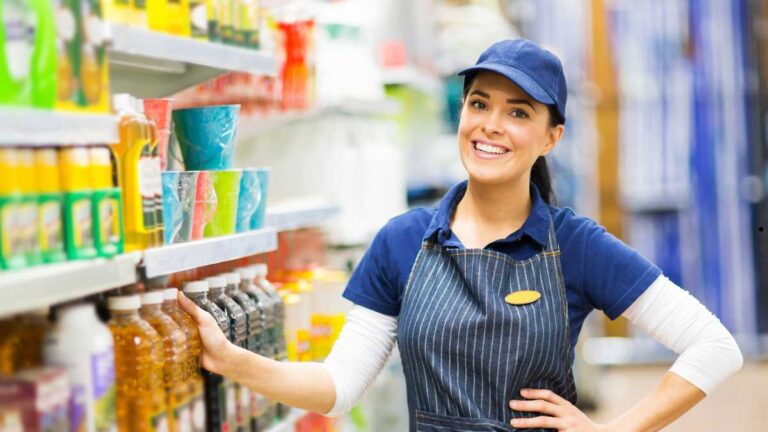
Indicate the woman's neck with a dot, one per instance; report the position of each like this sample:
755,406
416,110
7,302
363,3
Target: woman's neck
496,208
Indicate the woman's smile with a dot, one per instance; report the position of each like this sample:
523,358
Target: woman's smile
489,150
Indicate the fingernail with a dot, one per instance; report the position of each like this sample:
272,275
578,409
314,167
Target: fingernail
523,391
512,404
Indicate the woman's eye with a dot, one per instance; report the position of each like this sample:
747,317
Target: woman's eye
478,105
518,113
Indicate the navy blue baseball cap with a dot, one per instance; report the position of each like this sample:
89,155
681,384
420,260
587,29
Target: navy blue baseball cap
535,70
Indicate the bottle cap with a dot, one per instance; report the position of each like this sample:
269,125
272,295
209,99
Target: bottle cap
232,278
196,287
152,298
217,282
247,273
131,302
261,270
170,293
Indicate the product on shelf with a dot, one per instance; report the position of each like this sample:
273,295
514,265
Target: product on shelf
192,377
238,335
205,204
138,368
169,16
35,400
107,208
136,173
226,183
159,111
257,220
174,348
152,168
11,251
246,31
74,166
220,409
173,216
248,199
198,19
21,344
27,225
83,345
206,136
50,226
27,53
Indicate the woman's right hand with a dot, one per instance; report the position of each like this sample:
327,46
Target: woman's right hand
216,348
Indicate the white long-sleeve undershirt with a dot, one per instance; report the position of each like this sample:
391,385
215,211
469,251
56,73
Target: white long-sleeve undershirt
708,354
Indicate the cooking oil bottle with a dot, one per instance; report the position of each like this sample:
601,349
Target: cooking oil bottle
141,403
21,346
174,344
192,376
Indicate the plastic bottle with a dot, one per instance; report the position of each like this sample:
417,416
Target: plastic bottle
78,202
138,368
169,16
151,168
139,13
198,11
238,336
22,346
27,223
193,378
107,205
263,410
131,153
50,226
83,345
220,409
119,12
11,251
174,354
93,74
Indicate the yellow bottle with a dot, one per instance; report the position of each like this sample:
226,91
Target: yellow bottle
12,254
132,153
193,378
139,364
50,225
174,344
107,206
74,166
169,16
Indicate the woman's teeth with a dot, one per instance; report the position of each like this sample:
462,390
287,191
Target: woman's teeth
485,148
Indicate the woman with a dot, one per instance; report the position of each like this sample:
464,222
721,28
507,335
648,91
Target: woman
486,294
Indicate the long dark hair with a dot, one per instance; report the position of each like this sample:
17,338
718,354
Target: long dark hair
540,175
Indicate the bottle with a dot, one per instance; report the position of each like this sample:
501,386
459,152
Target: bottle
152,169
92,41
27,223
119,12
198,12
132,152
238,336
50,226
212,7
107,206
174,354
263,410
219,405
12,254
193,378
139,13
83,345
169,16
22,346
74,165
138,368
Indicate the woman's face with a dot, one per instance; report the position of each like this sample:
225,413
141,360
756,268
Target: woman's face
502,130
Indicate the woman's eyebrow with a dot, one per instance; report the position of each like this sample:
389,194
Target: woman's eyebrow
522,101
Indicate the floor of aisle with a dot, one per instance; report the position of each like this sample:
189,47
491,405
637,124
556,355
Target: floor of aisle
738,405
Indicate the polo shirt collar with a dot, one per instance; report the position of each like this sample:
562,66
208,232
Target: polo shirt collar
536,226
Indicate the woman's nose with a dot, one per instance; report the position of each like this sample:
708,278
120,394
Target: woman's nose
492,124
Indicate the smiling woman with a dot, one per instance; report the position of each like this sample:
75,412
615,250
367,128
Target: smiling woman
485,294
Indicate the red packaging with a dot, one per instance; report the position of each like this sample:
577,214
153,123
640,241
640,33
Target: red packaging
38,398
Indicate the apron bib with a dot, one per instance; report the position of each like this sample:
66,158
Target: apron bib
467,352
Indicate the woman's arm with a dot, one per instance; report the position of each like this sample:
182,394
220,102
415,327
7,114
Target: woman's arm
709,355
304,385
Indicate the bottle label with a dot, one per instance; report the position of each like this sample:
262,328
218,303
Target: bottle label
50,226
27,226
77,403
110,222
103,378
199,18
19,24
83,223
146,189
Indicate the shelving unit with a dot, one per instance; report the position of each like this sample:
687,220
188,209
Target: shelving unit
151,64
24,290
292,216
184,256
412,76
34,127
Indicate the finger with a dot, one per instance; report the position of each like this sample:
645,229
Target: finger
190,308
536,422
544,394
536,406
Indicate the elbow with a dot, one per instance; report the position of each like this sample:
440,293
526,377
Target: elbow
735,358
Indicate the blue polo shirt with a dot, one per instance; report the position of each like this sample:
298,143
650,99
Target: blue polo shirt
600,271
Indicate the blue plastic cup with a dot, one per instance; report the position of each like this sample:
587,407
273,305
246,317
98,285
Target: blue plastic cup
249,198
257,220
172,215
206,136
187,190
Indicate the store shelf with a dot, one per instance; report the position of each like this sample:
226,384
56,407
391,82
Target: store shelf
184,256
422,80
151,64
288,424
299,215
33,127
28,289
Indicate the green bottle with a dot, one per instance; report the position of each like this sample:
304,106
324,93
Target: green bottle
78,203
50,226
27,226
11,249
107,205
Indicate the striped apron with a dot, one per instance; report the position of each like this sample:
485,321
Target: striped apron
466,352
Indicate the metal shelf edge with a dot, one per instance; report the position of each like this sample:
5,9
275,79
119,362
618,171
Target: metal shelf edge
37,127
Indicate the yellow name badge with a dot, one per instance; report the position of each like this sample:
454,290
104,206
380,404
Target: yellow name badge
522,297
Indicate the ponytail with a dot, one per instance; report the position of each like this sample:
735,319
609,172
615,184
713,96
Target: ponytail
541,178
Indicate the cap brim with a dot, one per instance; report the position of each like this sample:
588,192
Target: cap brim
525,82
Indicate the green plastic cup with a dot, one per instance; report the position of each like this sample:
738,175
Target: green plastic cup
226,183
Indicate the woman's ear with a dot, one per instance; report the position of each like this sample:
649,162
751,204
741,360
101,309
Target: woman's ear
554,134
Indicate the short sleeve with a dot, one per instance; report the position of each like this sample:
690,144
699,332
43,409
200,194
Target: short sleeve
614,274
373,284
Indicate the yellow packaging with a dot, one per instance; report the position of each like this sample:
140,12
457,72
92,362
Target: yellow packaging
11,246
27,223
78,206
119,12
169,16
50,226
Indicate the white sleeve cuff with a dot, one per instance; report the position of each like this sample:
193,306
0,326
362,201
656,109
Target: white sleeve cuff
708,352
359,354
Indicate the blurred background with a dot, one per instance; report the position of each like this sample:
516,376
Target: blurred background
346,116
